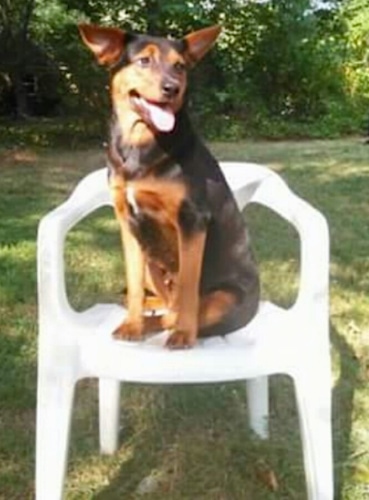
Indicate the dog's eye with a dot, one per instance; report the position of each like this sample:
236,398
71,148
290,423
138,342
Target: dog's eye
179,67
144,61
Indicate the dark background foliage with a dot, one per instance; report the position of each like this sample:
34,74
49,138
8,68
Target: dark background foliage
281,68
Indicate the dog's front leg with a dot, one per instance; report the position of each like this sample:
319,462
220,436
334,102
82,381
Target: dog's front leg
187,295
132,327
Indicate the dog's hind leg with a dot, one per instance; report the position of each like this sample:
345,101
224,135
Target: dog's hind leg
160,285
215,306
224,311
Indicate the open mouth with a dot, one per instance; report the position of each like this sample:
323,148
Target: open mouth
157,114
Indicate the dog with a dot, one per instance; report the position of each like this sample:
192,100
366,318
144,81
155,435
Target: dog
184,238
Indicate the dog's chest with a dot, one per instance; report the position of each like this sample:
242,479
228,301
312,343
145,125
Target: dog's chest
152,220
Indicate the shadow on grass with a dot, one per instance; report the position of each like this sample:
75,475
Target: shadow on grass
343,407
196,445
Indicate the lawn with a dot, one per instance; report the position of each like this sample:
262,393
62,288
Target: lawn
187,442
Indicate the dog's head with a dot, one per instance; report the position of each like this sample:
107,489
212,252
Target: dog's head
149,74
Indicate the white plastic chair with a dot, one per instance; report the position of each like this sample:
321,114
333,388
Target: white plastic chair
294,341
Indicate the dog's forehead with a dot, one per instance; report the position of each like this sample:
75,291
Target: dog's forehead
161,45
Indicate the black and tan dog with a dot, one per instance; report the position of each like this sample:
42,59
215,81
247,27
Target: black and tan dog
183,235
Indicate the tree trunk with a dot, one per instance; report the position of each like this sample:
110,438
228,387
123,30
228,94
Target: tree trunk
19,73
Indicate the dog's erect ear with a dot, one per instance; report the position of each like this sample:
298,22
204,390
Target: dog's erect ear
198,43
106,43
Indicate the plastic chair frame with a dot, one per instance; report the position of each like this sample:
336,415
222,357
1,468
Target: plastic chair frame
294,341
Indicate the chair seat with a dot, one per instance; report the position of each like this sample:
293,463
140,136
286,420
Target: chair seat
239,355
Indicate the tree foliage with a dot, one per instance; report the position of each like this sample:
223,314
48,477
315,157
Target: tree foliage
355,15
277,61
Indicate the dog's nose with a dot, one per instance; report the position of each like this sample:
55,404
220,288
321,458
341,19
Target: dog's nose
170,89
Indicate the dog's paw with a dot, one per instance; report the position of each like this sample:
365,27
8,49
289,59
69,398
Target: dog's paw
129,330
181,339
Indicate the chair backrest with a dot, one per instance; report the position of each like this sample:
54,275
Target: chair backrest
253,183
250,183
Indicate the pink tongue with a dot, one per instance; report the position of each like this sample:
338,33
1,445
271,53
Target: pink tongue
163,119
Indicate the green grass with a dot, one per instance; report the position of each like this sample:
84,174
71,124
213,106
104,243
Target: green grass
187,442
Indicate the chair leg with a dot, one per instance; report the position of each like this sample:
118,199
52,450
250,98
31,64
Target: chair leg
54,409
314,407
109,398
258,404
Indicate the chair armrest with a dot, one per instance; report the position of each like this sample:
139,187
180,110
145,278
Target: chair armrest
312,228
91,193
